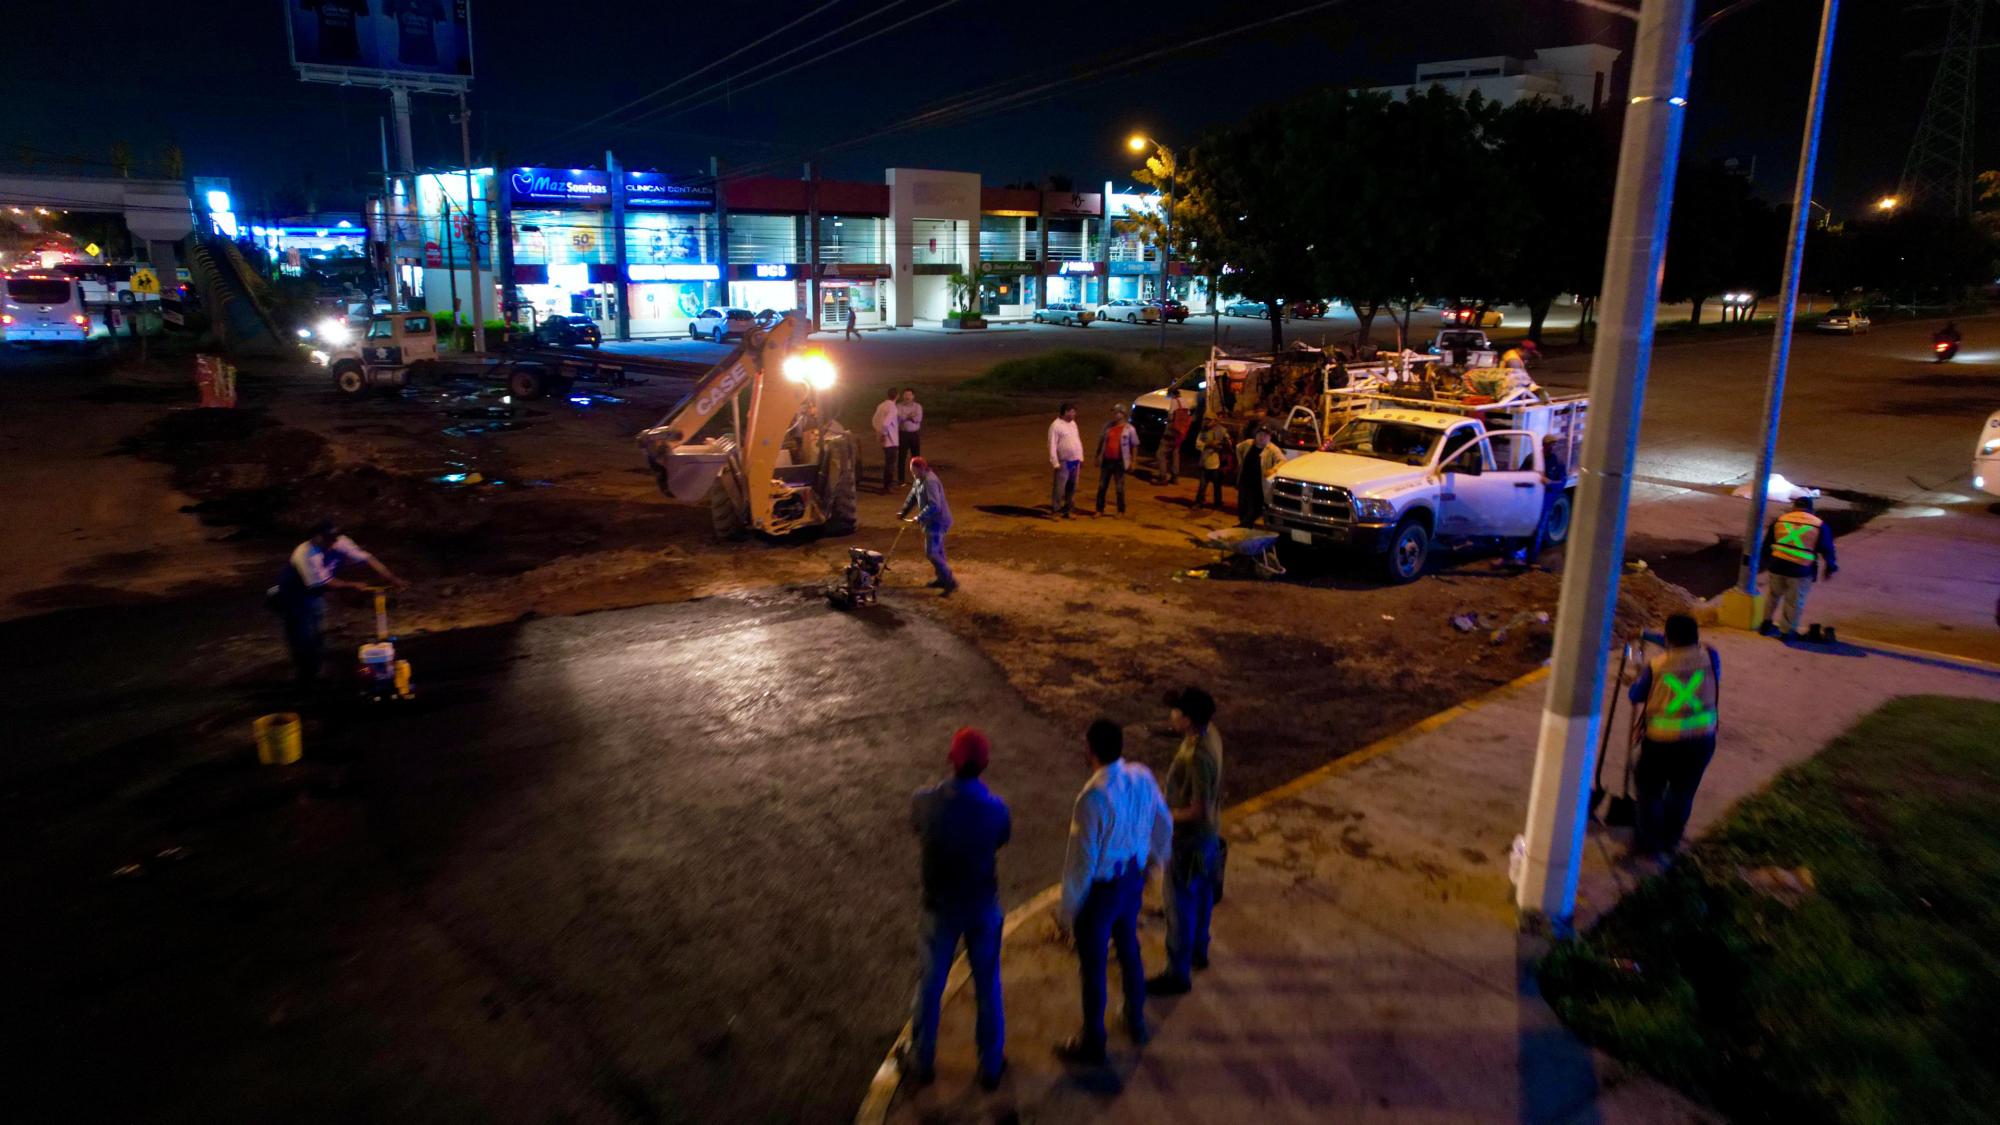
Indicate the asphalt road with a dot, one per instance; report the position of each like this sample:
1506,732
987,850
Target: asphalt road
641,865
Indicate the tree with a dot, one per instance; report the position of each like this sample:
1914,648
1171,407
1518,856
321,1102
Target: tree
1722,237
173,165
121,158
1556,164
1243,221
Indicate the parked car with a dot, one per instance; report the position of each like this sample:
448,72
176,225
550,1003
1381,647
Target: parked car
569,332
1066,312
720,324
1174,311
1128,310
1309,308
1246,308
1472,317
1853,322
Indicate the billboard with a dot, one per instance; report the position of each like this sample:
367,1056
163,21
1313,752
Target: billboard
413,38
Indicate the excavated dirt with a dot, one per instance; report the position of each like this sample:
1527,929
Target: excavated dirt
1086,617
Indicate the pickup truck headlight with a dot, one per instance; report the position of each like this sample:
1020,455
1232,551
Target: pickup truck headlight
1373,509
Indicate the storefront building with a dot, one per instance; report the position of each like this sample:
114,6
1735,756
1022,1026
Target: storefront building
643,253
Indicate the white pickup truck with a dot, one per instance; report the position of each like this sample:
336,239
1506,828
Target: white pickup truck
1402,475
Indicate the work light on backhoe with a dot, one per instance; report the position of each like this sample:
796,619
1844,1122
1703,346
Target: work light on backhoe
813,369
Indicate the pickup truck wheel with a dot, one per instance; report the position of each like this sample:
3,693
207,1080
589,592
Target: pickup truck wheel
350,380
1408,551
525,382
1559,517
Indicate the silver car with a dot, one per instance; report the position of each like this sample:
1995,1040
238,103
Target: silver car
1066,312
1852,322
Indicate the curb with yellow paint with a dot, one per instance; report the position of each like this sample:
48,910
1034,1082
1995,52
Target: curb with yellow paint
888,1076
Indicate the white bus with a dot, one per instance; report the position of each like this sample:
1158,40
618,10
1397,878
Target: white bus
42,308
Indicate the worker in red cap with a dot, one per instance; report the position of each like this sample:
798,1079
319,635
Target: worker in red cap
962,826
927,501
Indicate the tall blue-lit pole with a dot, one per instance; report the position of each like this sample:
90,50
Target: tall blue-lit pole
1788,301
1559,793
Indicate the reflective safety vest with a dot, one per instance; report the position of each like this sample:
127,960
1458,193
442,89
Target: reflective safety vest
1682,703
1795,537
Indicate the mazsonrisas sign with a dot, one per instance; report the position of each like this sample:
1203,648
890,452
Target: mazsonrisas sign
591,187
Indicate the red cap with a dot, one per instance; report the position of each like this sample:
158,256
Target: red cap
919,465
969,747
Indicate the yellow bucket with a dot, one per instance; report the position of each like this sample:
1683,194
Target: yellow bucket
277,738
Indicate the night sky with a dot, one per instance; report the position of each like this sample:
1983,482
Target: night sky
221,85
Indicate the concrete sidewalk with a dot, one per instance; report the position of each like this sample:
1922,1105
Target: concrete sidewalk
1366,962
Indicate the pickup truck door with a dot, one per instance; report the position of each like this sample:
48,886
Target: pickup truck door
1480,500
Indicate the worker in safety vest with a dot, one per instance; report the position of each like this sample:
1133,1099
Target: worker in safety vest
1678,691
1798,544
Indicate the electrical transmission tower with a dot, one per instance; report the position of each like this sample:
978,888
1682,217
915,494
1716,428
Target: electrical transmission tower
1938,172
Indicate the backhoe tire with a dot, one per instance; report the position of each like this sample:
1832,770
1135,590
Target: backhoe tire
843,510
725,514
1409,549
350,380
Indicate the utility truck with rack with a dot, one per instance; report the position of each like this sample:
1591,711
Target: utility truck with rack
1398,477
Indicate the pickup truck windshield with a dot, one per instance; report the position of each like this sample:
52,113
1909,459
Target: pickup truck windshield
1384,441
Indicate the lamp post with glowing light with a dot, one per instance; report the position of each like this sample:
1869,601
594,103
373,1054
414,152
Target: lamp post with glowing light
1139,143
1888,203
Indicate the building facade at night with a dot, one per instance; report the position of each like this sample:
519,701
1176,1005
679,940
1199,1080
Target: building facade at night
642,253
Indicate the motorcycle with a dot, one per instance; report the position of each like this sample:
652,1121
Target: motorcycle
1943,350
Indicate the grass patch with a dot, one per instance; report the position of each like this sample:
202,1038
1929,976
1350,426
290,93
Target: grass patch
1033,384
1872,998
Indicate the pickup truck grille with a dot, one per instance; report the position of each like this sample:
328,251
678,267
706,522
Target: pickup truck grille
1316,503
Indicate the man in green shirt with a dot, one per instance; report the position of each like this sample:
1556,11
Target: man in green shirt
1194,799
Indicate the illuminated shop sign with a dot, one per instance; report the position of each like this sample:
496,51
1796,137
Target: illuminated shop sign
673,272
1079,267
657,191
771,272
560,185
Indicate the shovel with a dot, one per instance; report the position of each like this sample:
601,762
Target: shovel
1604,743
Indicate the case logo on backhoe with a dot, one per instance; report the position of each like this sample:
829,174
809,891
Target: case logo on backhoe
713,399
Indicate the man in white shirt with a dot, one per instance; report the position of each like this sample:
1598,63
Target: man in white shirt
889,431
1119,829
910,423
300,594
1066,458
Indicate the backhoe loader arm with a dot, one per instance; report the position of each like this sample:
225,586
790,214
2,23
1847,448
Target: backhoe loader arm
739,369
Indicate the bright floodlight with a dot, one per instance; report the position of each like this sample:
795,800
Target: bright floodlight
334,331
1136,143
811,368
1888,203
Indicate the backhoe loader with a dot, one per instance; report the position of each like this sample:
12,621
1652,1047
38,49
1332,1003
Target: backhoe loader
784,465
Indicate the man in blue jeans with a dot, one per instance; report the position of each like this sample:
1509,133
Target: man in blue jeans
962,826
927,500
1118,830
1194,800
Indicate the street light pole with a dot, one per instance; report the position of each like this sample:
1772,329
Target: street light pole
1167,240
471,226
1788,301
1559,794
